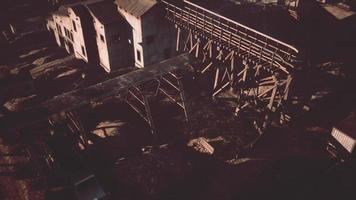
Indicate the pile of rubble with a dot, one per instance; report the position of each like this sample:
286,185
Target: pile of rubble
153,172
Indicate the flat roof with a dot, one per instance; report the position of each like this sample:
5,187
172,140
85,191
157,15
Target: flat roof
272,20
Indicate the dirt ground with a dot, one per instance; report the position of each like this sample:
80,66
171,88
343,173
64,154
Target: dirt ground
285,161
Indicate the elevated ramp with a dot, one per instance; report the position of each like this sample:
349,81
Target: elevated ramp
111,88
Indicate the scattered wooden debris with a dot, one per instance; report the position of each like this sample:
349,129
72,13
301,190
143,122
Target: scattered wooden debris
153,171
201,145
108,128
68,73
54,66
33,52
239,161
22,103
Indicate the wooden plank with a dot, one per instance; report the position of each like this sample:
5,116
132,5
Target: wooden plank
49,67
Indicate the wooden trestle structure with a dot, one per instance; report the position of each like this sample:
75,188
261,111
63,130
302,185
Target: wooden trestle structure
256,67
136,88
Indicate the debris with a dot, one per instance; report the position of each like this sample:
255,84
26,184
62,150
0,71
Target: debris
32,52
153,171
108,128
21,103
285,118
41,61
238,161
201,145
67,73
56,65
306,108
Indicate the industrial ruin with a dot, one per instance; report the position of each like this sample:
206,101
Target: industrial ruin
177,99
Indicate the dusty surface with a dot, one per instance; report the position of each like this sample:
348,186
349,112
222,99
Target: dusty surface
285,162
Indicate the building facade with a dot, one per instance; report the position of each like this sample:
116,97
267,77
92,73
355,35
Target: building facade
113,36
153,37
73,28
62,29
84,33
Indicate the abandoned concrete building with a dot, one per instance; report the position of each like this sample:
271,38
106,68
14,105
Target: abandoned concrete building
153,39
102,37
75,31
113,36
84,32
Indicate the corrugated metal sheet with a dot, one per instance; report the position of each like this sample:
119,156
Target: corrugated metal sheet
346,141
136,8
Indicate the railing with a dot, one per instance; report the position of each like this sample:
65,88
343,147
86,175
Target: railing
264,49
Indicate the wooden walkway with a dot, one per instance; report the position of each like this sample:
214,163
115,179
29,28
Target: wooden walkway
95,93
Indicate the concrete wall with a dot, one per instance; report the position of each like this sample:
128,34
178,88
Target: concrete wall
56,31
62,39
153,37
84,36
135,23
102,46
114,43
51,26
115,50
78,36
158,36
119,42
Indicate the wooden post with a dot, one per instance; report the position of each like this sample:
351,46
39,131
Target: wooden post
217,74
244,76
149,117
178,38
273,95
183,97
286,90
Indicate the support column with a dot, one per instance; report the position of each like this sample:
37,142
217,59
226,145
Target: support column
183,97
178,38
149,117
